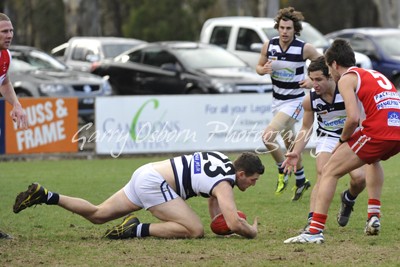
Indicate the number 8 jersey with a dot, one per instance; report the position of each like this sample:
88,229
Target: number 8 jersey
199,173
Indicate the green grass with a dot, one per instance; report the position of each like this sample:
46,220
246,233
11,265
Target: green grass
50,236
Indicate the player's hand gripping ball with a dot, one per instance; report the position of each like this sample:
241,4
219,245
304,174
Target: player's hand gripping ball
218,224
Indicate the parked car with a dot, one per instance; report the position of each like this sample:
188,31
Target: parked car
382,45
81,52
244,37
180,67
35,73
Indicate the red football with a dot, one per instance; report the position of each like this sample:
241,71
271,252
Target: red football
218,224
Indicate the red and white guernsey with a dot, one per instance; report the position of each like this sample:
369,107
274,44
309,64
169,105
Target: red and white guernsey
5,59
381,103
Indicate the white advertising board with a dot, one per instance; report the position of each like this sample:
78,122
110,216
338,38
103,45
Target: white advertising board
179,123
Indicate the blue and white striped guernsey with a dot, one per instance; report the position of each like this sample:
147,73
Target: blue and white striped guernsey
287,69
330,116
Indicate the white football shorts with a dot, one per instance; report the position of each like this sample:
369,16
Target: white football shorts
293,107
147,188
325,144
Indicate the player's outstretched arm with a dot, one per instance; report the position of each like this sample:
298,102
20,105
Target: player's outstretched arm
223,192
302,137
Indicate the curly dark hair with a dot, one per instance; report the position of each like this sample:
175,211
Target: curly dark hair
289,13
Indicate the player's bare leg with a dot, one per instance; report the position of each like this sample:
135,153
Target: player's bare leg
179,221
114,207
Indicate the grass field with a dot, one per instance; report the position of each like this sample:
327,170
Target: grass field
51,236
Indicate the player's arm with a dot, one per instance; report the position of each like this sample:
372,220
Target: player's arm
347,86
303,136
262,66
7,91
310,52
213,206
17,113
223,196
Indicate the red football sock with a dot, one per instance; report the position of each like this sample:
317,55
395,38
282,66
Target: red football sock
318,223
374,208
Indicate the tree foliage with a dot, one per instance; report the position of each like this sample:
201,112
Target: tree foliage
155,20
48,23
330,16
38,23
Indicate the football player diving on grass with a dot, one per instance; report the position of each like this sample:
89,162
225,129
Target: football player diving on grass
162,188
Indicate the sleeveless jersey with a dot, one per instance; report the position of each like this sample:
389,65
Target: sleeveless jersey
5,59
381,103
330,116
287,69
199,173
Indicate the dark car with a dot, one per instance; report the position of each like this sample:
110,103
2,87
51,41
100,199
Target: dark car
178,67
35,73
381,45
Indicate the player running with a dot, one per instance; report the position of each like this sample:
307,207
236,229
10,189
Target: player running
327,104
378,139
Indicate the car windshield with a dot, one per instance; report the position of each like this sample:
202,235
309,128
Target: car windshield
36,60
207,57
390,43
19,65
309,35
113,50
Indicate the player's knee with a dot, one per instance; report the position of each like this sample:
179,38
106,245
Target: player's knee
98,218
197,232
358,182
269,135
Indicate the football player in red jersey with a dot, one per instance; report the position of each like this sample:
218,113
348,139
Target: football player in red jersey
6,88
378,139
324,105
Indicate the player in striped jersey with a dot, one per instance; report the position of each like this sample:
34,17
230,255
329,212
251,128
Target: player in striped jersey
378,138
284,59
325,101
162,188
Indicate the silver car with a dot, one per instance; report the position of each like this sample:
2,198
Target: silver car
35,73
83,52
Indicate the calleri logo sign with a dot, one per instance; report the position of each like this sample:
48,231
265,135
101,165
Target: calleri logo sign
154,125
159,130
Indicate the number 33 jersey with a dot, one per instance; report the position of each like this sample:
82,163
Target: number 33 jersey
199,173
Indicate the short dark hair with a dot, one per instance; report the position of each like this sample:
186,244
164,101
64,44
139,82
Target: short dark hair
341,52
250,163
289,13
319,64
